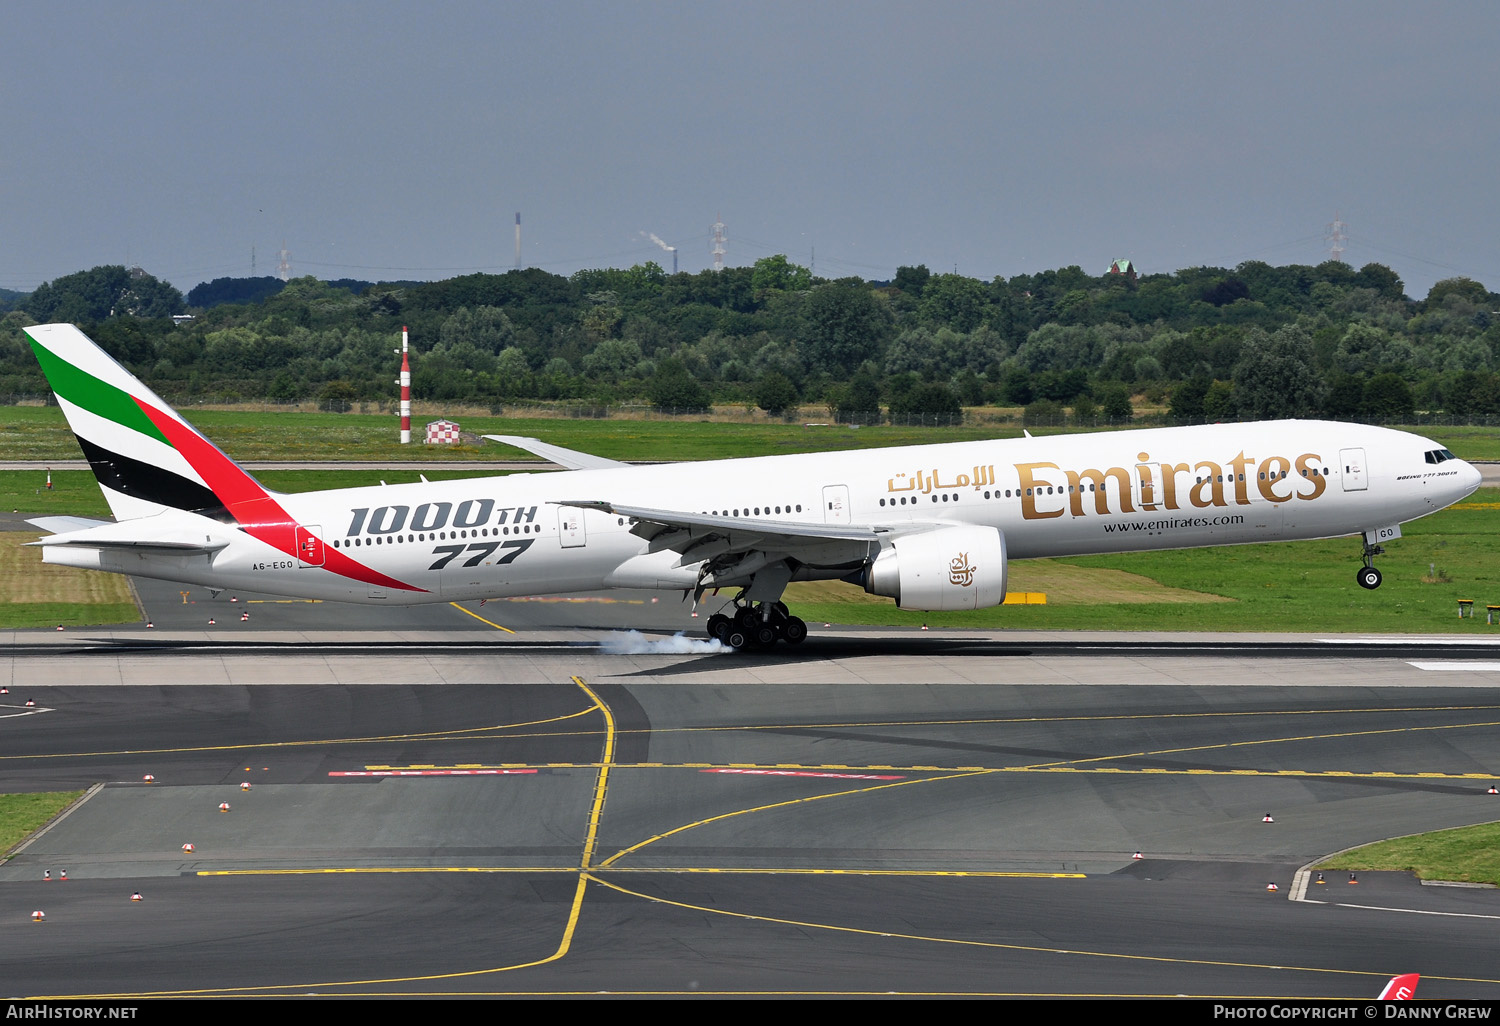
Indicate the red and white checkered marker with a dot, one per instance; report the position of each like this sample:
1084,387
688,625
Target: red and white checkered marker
136,896
210,621
1271,887
223,806
38,916
188,848
244,785
148,778
442,432
1137,856
1267,818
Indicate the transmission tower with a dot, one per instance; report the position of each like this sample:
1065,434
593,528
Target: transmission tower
284,267
1336,237
719,240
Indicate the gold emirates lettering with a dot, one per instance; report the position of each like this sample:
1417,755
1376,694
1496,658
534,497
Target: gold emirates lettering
1048,490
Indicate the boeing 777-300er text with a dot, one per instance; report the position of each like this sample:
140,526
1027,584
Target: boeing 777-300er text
931,526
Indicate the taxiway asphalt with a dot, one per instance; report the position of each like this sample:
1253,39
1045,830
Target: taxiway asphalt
445,810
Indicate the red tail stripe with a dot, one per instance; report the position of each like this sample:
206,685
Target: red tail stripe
259,515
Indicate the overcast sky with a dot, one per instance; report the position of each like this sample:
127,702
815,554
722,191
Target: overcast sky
398,140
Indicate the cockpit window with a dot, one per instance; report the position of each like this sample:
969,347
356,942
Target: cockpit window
1438,456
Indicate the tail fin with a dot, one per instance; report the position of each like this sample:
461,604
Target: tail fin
146,457
1400,988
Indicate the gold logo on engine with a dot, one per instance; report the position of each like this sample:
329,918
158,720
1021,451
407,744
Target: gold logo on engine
960,570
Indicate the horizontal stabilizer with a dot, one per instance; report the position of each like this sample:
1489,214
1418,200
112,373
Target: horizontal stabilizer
62,525
568,459
140,536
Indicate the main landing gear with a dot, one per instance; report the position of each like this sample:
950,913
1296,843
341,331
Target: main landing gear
761,626
1367,576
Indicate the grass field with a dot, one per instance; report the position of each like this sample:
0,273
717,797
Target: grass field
1468,855
21,814
40,433
33,594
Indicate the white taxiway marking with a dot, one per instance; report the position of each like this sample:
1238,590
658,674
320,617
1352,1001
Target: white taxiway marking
1475,665
22,711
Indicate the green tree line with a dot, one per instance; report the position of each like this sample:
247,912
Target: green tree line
1207,343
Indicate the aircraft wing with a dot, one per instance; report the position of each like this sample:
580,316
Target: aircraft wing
735,550
653,524
568,459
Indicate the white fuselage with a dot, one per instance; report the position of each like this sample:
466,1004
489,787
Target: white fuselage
1061,495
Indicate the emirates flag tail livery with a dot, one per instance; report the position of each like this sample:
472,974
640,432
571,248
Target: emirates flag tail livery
930,526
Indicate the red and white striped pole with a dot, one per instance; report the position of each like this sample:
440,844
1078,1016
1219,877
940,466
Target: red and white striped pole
405,392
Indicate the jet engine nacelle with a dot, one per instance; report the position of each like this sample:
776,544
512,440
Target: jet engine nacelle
949,568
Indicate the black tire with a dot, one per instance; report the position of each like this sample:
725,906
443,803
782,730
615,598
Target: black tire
1368,577
734,637
718,626
794,631
765,635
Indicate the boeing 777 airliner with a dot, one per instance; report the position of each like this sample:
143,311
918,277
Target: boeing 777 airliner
931,526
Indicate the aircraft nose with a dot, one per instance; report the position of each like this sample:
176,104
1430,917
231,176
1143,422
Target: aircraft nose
1472,478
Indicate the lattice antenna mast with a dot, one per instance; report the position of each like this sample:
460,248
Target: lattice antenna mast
284,266
252,261
518,240
719,241
1336,237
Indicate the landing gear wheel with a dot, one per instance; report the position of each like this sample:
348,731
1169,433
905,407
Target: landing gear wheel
794,631
718,626
764,635
1368,577
734,636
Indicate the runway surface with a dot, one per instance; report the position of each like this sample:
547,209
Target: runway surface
514,799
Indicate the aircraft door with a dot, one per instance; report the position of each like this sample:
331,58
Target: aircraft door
836,504
309,546
1353,462
570,527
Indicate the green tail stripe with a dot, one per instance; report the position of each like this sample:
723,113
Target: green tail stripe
98,397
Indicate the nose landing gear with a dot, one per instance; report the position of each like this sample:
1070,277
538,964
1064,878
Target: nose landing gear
1367,576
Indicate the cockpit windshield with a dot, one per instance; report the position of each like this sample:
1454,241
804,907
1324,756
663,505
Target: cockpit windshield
1438,456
